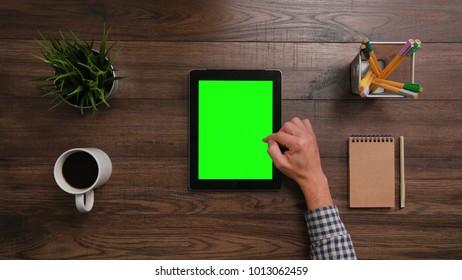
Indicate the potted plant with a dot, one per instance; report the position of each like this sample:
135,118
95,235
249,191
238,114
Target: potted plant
82,76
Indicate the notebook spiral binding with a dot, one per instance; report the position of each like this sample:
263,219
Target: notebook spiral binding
371,138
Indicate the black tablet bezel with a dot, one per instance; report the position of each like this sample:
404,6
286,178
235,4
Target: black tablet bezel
226,184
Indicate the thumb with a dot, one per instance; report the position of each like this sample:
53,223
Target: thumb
275,153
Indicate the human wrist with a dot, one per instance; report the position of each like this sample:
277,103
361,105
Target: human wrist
316,191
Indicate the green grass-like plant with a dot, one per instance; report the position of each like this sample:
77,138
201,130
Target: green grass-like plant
81,75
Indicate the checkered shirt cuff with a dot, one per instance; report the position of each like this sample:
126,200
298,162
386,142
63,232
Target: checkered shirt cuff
328,235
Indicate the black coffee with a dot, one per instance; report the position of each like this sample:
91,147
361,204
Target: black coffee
80,170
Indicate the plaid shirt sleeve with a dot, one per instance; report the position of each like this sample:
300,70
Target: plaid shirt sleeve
329,237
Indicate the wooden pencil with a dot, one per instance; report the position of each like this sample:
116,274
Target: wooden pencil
402,186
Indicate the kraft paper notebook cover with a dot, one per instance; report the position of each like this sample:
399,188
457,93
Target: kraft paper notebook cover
372,171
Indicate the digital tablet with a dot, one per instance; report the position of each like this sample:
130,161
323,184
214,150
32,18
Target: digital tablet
231,111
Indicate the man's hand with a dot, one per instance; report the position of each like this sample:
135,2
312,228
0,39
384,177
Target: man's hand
301,160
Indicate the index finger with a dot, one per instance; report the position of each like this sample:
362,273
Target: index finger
283,138
308,125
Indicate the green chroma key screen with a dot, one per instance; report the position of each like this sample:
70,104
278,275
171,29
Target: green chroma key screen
234,117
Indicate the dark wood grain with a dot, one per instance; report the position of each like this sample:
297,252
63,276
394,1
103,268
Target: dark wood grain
146,211
262,21
162,237
146,236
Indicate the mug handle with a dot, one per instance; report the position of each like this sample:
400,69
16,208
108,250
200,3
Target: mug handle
84,202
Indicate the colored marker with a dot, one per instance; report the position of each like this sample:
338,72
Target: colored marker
366,81
398,57
408,86
399,91
367,55
371,52
409,53
416,47
365,92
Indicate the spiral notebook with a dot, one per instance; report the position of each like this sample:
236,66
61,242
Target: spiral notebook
372,171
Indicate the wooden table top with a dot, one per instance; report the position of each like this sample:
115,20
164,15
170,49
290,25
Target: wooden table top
146,211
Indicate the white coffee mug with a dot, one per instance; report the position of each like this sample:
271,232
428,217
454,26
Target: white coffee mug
81,170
